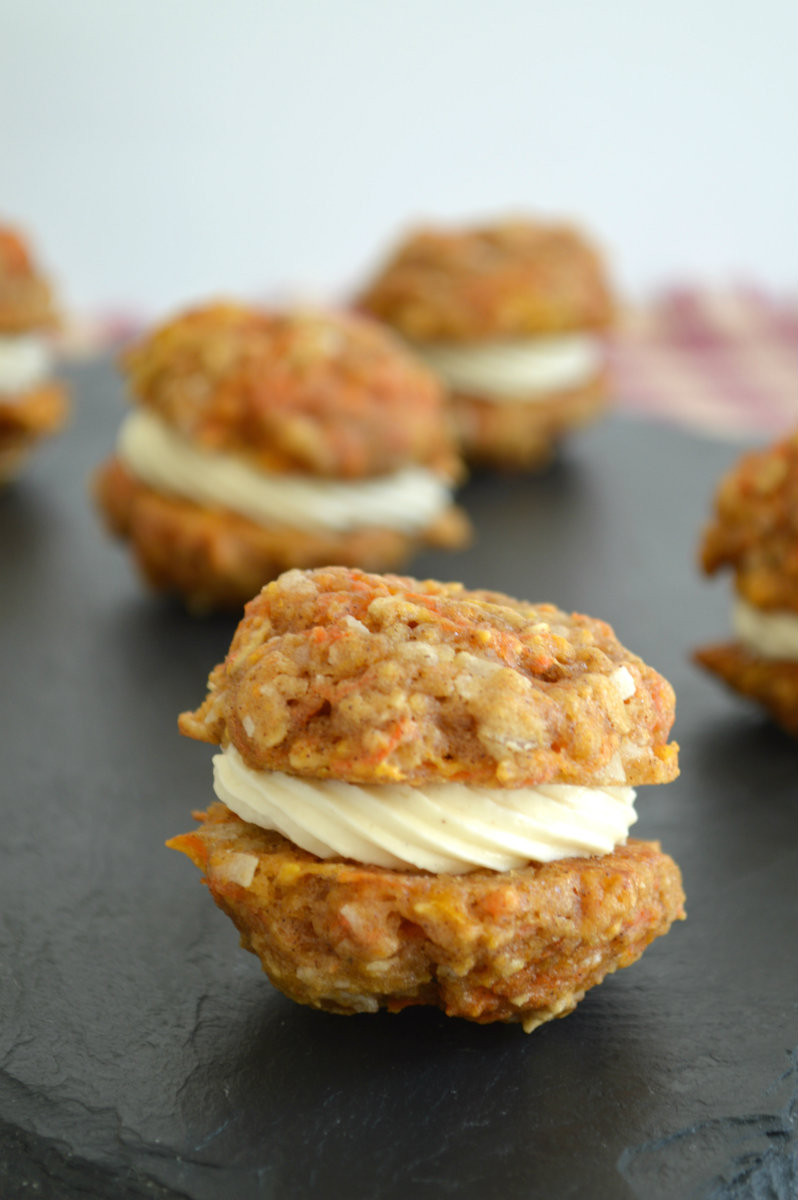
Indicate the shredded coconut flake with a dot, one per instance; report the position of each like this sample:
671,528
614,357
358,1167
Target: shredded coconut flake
624,682
615,772
379,966
239,868
352,623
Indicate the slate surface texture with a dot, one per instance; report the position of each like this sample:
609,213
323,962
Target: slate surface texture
144,1054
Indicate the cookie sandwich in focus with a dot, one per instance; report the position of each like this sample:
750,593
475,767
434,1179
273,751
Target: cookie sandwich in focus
262,440
512,317
424,796
32,404
754,532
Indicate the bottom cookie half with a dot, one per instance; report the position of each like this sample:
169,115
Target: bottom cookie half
523,435
24,421
216,559
773,683
518,946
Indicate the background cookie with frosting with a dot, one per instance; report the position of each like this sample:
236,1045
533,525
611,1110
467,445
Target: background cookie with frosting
262,440
32,404
754,532
511,316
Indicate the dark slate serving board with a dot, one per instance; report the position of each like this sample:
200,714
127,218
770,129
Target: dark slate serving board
144,1054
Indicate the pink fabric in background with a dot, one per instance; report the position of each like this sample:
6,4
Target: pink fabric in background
725,362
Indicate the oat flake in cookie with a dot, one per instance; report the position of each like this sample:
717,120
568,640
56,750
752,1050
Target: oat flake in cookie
512,318
32,405
754,532
260,441
424,797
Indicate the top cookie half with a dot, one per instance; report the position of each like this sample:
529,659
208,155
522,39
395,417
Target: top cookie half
754,530
319,393
516,279
339,674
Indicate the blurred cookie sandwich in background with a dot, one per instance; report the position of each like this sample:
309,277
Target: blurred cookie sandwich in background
261,440
512,317
32,404
754,532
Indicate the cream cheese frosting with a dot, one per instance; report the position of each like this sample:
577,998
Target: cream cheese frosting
767,632
520,370
448,828
25,362
407,500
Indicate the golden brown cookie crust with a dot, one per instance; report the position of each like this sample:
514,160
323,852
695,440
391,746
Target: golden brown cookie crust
368,678
521,436
218,559
773,683
518,946
25,297
515,279
755,527
24,421
321,393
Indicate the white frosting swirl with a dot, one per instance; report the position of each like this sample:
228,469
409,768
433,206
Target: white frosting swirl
25,362
407,500
521,370
447,828
767,632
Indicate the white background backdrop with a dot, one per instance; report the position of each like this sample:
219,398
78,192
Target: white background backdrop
164,150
